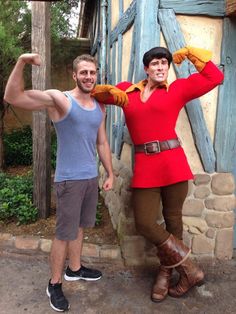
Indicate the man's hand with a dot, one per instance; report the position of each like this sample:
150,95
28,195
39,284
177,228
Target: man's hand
103,93
180,55
197,56
108,184
31,58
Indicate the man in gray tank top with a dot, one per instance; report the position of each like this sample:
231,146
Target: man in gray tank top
80,126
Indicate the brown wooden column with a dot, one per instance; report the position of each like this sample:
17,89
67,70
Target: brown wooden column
41,123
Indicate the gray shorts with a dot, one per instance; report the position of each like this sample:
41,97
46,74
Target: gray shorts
76,207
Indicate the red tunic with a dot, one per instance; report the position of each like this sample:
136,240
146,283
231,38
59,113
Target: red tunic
156,119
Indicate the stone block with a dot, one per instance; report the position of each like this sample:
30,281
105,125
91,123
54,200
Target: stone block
117,185
133,247
27,242
190,188
45,245
194,230
187,239
5,236
6,239
223,184
220,220
198,223
211,233
224,244
110,252
193,207
126,226
202,192
202,245
91,250
116,164
203,178
221,203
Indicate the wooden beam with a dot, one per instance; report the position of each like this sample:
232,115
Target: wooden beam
225,138
195,7
230,7
147,33
125,22
41,122
175,40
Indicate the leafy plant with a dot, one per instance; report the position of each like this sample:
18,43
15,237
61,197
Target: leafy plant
18,147
16,199
98,214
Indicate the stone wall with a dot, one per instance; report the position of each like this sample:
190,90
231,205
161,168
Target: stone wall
208,216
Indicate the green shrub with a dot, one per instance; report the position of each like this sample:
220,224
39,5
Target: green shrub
98,214
16,199
19,147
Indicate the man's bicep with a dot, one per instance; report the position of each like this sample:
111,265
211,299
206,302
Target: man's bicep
40,98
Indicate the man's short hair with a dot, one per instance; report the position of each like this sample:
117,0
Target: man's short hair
84,57
157,53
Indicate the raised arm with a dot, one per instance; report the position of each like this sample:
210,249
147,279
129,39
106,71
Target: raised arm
16,95
209,75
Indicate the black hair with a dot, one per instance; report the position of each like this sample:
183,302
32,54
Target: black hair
157,53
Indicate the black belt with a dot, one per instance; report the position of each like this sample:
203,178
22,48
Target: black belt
155,147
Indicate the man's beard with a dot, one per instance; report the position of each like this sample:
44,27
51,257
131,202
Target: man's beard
85,90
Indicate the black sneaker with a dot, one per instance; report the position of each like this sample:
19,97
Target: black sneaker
83,273
57,299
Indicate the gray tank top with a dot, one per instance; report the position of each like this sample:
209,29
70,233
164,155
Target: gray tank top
76,142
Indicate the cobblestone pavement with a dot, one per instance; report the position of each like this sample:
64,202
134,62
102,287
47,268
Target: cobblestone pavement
122,290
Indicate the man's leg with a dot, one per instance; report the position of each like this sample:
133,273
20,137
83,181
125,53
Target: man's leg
76,270
54,289
75,251
173,197
57,259
146,204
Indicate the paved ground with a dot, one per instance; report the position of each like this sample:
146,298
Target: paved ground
122,290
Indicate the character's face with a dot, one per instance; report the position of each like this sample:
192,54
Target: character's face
157,70
85,76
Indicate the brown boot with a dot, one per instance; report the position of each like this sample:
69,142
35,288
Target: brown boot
161,286
190,275
174,254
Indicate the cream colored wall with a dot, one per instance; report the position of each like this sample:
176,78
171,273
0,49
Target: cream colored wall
203,32
114,13
206,33
126,4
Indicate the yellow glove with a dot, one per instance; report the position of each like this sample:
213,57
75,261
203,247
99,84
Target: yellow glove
102,93
197,56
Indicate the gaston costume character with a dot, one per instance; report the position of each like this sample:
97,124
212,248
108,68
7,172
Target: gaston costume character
161,170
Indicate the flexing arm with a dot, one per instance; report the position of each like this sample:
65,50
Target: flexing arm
105,155
209,75
16,95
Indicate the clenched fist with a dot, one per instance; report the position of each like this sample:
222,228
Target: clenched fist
31,58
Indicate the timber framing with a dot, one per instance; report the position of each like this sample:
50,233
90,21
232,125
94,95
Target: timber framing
160,16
